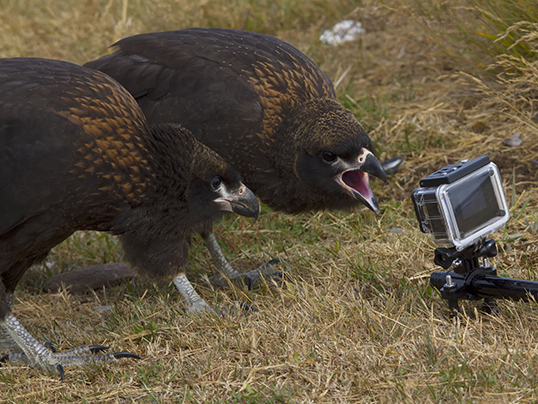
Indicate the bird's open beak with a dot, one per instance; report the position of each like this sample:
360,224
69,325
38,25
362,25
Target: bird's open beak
356,180
243,203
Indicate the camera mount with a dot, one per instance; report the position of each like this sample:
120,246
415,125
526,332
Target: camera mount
459,205
472,281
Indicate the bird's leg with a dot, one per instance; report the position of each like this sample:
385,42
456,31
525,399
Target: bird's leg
220,261
6,342
9,298
224,268
36,354
194,302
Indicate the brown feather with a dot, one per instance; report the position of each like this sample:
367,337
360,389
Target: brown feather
259,102
76,153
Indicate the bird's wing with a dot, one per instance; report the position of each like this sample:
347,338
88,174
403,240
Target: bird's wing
175,79
223,85
51,114
33,151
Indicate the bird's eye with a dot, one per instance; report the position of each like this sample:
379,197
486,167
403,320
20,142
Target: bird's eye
216,183
328,156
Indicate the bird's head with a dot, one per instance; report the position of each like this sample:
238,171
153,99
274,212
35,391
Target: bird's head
333,155
216,187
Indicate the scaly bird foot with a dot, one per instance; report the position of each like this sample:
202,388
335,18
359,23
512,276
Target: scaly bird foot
226,273
42,355
195,303
201,307
54,362
252,278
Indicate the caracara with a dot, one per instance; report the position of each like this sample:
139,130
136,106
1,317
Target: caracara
262,105
76,153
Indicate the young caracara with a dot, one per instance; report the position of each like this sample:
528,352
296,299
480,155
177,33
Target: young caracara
76,153
262,105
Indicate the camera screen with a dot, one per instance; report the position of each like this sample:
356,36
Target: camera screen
474,203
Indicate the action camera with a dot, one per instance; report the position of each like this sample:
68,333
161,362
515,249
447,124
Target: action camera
461,203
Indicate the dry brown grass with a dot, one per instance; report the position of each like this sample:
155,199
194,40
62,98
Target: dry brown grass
356,320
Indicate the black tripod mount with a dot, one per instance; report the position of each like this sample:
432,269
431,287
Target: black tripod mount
470,280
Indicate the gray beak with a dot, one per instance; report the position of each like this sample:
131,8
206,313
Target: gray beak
372,166
356,182
245,204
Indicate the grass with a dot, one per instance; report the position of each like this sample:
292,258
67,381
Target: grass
475,32
355,320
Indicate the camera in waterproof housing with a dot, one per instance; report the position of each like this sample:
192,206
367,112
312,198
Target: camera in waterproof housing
461,203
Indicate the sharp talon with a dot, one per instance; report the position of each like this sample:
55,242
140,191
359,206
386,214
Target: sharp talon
277,260
119,355
4,358
249,282
97,348
247,307
49,346
60,369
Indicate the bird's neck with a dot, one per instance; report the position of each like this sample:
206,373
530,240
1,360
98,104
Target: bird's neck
169,158
171,150
283,187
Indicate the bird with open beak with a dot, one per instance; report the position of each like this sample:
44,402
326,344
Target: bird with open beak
262,105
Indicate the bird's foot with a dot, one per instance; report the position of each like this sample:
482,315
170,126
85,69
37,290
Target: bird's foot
269,270
203,307
43,355
54,362
195,303
242,307
199,306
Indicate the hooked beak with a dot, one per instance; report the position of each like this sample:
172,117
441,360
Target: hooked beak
356,181
243,203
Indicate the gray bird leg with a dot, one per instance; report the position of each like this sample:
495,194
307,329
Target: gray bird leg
6,342
220,261
36,354
194,302
224,268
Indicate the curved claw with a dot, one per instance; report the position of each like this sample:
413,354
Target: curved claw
277,260
119,355
247,307
49,346
251,279
249,282
97,348
60,370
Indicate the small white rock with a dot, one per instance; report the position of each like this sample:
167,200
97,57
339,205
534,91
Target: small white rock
344,31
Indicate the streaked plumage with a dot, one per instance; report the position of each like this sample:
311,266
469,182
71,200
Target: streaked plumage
76,153
262,105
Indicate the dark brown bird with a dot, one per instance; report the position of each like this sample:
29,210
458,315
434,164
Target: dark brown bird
76,153
262,105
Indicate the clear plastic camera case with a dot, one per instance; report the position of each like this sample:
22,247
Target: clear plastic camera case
462,212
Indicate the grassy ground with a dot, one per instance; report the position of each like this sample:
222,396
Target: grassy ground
356,320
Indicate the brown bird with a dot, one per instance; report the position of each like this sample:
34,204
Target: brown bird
76,153
262,105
